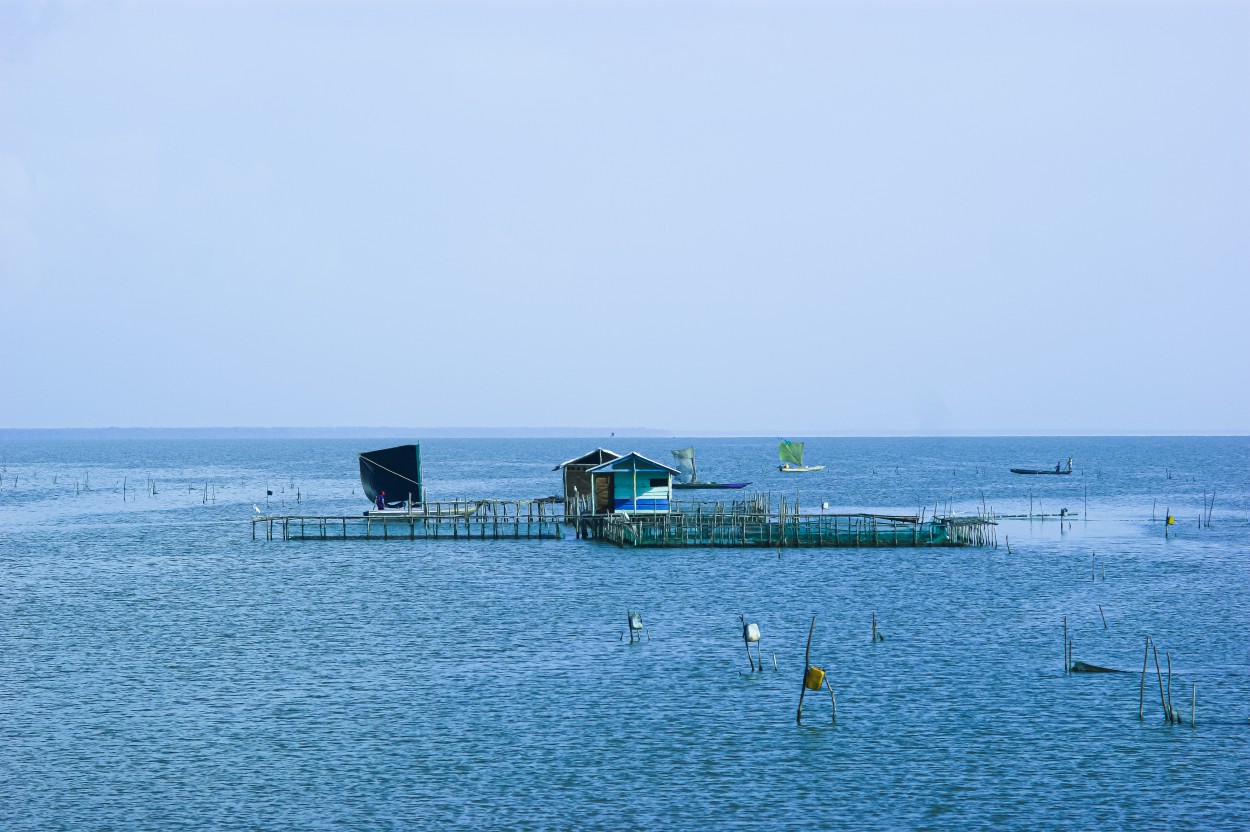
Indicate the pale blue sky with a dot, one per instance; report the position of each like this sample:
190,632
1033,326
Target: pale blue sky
766,217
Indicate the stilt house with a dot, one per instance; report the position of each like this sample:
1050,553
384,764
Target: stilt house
576,480
632,483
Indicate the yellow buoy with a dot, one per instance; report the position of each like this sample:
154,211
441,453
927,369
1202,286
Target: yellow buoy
815,678
1171,520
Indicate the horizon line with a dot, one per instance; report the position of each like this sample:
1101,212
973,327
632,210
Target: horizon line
575,432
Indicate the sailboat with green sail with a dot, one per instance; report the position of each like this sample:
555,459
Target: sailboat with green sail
791,454
689,476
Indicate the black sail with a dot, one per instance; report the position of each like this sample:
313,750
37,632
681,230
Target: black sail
395,472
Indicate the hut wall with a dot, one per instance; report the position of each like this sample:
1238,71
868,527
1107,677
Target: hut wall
654,491
575,477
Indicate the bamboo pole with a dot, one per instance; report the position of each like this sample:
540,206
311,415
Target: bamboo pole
1162,701
748,644
1171,711
1104,618
1141,694
807,662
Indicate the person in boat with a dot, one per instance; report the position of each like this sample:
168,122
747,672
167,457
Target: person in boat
381,501
1058,466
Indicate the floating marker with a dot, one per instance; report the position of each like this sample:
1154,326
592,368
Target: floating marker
634,620
751,635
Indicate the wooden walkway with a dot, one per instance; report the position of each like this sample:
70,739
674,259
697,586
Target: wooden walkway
753,522
792,531
458,520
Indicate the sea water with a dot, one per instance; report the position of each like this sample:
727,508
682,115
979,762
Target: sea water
162,670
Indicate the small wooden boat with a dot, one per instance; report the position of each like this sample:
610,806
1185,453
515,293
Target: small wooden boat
791,454
684,460
1056,471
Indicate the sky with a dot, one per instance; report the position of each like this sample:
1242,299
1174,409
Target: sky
778,217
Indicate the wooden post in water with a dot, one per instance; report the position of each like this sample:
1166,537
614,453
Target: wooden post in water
1065,644
1171,711
747,642
1141,694
1162,701
1104,618
1193,705
807,662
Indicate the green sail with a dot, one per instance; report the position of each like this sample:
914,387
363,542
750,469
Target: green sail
791,452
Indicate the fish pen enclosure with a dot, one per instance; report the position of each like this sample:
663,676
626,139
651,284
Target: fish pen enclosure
755,522
456,520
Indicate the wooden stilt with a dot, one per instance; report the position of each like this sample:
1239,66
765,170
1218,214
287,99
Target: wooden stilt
807,662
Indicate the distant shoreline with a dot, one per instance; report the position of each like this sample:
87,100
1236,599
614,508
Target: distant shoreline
326,433
606,434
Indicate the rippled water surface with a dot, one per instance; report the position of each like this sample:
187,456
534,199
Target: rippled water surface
160,669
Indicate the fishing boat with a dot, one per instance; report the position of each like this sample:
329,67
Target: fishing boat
791,455
689,477
1057,470
393,473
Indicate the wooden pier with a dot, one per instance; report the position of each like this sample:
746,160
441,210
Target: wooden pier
793,531
758,521
456,520
752,522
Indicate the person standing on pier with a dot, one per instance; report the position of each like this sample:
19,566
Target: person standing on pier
381,501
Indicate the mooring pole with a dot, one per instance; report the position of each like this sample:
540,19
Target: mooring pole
807,662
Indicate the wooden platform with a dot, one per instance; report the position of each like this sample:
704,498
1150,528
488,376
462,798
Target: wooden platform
457,520
758,520
752,522
791,531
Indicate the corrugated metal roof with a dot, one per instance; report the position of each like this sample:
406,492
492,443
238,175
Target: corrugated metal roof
634,458
595,457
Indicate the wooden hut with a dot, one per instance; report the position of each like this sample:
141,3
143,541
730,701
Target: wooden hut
633,484
576,480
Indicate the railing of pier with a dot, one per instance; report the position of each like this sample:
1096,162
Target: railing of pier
447,520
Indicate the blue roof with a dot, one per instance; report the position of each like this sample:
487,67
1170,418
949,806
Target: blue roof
632,462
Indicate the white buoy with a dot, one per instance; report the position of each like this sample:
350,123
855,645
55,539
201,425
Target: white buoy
751,635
